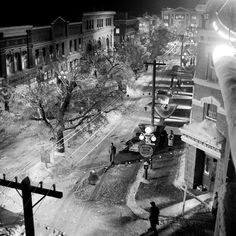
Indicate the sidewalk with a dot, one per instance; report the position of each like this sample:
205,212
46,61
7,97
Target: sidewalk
167,214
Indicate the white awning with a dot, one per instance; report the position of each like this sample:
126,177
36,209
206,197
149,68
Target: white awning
205,136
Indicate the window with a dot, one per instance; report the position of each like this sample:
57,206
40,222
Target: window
117,30
70,45
44,54
99,23
36,56
57,49
89,24
166,17
80,42
75,44
51,52
63,49
210,112
194,17
207,165
108,21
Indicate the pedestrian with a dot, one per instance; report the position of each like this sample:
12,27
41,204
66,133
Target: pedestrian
215,205
112,153
171,139
154,217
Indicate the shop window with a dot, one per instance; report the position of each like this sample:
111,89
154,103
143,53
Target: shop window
51,52
36,56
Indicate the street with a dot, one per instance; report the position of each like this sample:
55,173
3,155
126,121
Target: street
90,209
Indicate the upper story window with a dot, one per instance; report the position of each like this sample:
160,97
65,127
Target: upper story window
89,24
165,17
70,45
210,112
108,21
99,23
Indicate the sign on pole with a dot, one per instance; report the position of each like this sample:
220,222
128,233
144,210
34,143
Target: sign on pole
145,150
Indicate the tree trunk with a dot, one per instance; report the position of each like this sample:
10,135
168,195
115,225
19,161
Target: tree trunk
60,141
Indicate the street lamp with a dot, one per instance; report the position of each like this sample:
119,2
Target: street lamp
223,50
148,136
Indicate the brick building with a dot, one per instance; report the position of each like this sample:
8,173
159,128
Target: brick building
24,48
98,30
208,160
186,18
125,27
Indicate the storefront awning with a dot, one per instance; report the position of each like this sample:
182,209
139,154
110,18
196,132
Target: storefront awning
205,136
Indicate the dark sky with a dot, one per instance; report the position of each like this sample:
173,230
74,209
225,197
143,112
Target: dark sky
43,12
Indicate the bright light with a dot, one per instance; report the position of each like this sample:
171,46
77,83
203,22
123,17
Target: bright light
153,138
222,51
216,28
141,137
148,130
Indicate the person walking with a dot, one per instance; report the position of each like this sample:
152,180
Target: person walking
171,139
112,153
154,217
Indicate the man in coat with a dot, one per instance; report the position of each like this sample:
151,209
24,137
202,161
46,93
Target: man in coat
112,153
154,217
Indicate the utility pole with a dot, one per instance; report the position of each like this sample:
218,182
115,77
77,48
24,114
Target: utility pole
27,189
154,64
182,48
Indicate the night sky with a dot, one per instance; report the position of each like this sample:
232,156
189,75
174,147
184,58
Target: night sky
43,12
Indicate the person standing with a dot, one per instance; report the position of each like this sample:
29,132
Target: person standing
154,217
112,153
215,205
171,139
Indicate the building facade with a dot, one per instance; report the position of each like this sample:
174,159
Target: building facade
208,163
25,49
125,27
98,31
183,17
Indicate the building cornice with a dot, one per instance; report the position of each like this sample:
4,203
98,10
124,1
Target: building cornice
206,83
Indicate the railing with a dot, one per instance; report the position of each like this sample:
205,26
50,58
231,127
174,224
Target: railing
184,188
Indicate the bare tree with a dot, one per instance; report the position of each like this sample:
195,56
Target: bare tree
75,96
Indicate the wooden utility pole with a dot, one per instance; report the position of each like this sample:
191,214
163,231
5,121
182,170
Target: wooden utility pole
154,64
27,189
181,50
